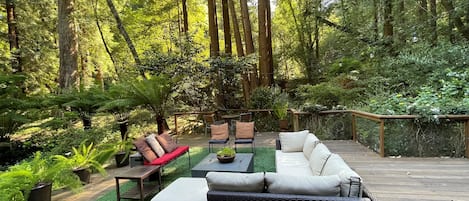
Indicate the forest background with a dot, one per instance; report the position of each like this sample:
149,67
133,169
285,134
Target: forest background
65,61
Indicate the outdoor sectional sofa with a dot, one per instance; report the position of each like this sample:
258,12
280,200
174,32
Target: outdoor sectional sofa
306,170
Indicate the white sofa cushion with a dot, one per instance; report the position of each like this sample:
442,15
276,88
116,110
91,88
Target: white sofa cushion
335,165
302,185
184,189
292,141
155,145
230,181
293,163
309,144
318,158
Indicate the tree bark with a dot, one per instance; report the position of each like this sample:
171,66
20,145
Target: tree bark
456,20
13,37
388,27
253,76
265,44
68,45
226,27
213,28
432,22
422,18
185,17
239,51
401,23
375,20
126,36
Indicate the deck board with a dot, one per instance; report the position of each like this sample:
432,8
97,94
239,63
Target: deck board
406,178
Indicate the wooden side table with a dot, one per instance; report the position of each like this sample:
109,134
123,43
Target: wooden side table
143,189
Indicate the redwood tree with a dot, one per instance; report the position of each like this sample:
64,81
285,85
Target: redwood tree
253,77
265,44
68,45
13,36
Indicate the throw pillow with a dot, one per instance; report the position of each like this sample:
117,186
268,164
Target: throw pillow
318,158
219,132
144,149
167,142
302,185
310,142
335,165
155,146
292,141
240,182
244,130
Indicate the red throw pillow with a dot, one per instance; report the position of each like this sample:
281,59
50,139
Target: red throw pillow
167,142
244,130
144,149
219,132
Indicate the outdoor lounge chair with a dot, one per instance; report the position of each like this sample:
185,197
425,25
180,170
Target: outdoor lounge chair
245,134
219,135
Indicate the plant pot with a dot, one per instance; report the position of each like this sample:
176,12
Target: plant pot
226,159
84,174
122,159
41,192
283,124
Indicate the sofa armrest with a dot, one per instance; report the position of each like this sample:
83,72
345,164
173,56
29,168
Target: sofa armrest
278,146
243,196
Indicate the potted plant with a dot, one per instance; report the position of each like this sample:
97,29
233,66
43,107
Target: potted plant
280,109
226,155
32,180
121,150
84,159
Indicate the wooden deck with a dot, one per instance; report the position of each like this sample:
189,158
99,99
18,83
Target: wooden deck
406,178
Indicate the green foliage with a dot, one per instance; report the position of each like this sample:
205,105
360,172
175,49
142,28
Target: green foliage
86,156
262,98
226,152
325,94
344,66
280,107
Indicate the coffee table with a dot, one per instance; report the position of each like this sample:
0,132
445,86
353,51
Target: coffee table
243,162
139,174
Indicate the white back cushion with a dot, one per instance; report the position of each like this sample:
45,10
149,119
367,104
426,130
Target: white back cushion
155,145
230,181
335,165
292,141
302,185
318,158
310,142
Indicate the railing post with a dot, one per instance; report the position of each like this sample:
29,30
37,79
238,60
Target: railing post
296,121
466,131
354,128
381,138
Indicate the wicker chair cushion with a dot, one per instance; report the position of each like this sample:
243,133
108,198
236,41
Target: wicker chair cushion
167,142
318,158
219,132
310,142
241,182
145,149
335,165
303,185
292,141
244,130
155,145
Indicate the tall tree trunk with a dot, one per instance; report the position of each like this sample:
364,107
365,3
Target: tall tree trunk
401,23
185,17
432,22
215,49
226,26
422,18
126,36
456,20
213,28
68,45
265,44
253,76
239,51
95,8
375,20
388,27
13,37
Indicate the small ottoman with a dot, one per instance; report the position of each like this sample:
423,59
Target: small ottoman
184,189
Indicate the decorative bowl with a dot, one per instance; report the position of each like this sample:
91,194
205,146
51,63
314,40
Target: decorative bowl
225,159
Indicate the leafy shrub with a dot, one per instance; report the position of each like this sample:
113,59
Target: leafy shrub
325,94
262,98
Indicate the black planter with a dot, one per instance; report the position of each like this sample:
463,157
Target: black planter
283,124
84,174
41,192
122,159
